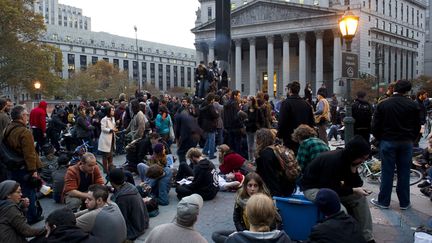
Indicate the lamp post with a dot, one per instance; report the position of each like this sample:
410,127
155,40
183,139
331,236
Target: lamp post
138,71
37,86
348,27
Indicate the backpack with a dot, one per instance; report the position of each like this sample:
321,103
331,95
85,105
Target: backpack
287,161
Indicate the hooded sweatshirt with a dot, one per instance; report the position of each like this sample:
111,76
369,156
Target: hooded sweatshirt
38,116
205,180
275,236
332,169
133,209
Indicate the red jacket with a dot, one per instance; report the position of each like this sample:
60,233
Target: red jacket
38,116
232,162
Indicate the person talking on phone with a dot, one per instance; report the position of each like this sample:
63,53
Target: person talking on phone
337,170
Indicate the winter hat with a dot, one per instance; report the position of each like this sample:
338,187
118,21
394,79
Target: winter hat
188,209
402,86
356,148
117,176
6,188
327,201
158,148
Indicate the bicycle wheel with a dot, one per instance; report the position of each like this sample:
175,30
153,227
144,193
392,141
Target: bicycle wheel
415,177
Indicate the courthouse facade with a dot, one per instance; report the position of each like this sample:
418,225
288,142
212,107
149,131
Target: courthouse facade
300,40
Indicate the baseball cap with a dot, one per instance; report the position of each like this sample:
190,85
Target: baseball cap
188,209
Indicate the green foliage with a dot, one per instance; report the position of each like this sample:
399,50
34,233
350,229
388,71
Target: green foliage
99,81
23,58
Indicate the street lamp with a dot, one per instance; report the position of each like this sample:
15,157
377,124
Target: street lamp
37,86
348,27
138,71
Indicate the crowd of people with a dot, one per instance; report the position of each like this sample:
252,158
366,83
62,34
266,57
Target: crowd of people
262,152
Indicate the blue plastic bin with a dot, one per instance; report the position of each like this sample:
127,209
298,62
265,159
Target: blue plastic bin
298,214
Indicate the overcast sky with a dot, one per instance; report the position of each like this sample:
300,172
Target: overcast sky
163,21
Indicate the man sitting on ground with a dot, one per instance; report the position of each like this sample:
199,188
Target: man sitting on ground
130,203
78,178
102,219
180,231
337,227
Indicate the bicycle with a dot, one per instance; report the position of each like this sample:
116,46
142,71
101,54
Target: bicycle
428,124
372,169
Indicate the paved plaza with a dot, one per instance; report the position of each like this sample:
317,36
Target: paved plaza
391,225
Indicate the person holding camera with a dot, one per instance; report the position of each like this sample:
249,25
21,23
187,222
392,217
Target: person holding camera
20,139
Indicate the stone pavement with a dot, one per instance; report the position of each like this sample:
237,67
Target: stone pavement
390,225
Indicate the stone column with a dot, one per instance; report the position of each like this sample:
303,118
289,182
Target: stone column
172,76
148,72
337,62
319,58
238,67
302,61
398,61
392,64
164,78
211,56
270,66
387,63
199,53
252,66
404,64
285,62
409,57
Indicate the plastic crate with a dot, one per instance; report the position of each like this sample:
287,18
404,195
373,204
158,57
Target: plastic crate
298,214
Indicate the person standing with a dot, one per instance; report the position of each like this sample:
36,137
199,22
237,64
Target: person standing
293,112
107,139
396,124
322,114
232,122
20,139
421,96
38,124
362,114
208,117
4,117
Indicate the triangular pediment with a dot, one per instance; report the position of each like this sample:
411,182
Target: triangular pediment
267,11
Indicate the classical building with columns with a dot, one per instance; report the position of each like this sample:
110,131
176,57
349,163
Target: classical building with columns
300,40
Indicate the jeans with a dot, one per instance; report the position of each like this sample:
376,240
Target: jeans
250,136
233,140
395,154
210,145
38,138
160,187
27,191
204,86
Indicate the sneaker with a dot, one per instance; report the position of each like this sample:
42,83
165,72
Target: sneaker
426,191
376,203
406,207
424,184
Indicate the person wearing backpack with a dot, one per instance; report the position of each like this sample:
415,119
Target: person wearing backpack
362,113
270,167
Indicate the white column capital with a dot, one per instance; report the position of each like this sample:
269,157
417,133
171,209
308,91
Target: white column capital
319,34
252,41
238,42
270,39
336,33
302,35
286,37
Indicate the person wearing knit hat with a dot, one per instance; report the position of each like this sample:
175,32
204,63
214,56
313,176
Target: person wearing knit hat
13,223
337,226
159,182
182,229
337,170
396,124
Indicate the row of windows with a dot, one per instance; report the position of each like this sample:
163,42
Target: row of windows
396,9
135,73
394,28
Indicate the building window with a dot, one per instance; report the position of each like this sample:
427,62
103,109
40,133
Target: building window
160,75
116,63
106,59
135,72
83,62
189,77
182,78
144,71
209,13
94,60
125,65
175,76
152,73
168,75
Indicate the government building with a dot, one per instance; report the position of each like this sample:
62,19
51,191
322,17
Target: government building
163,66
300,40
